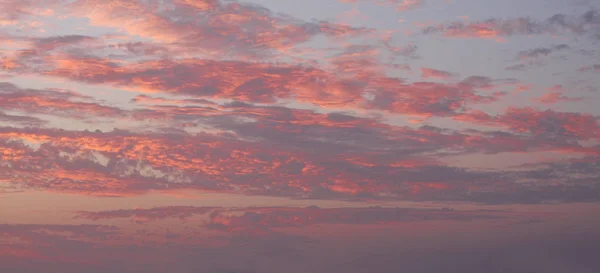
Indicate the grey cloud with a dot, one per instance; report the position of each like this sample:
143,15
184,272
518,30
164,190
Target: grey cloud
586,23
541,51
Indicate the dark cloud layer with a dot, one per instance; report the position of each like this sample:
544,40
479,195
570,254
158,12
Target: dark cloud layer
259,218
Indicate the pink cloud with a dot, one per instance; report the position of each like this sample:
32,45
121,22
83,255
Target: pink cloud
555,97
230,28
595,68
240,74
400,5
66,104
434,73
547,123
496,28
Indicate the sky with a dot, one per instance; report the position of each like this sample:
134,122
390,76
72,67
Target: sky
267,136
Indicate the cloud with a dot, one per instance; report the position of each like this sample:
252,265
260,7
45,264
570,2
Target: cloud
546,124
145,99
121,163
409,4
555,97
52,42
31,52
277,217
267,83
74,230
147,215
541,51
595,67
269,218
278,151
536,57
353,77
494,28
53,102
244,77
434,73
210,27
400,5
241,101
516,67
11,11
20,120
